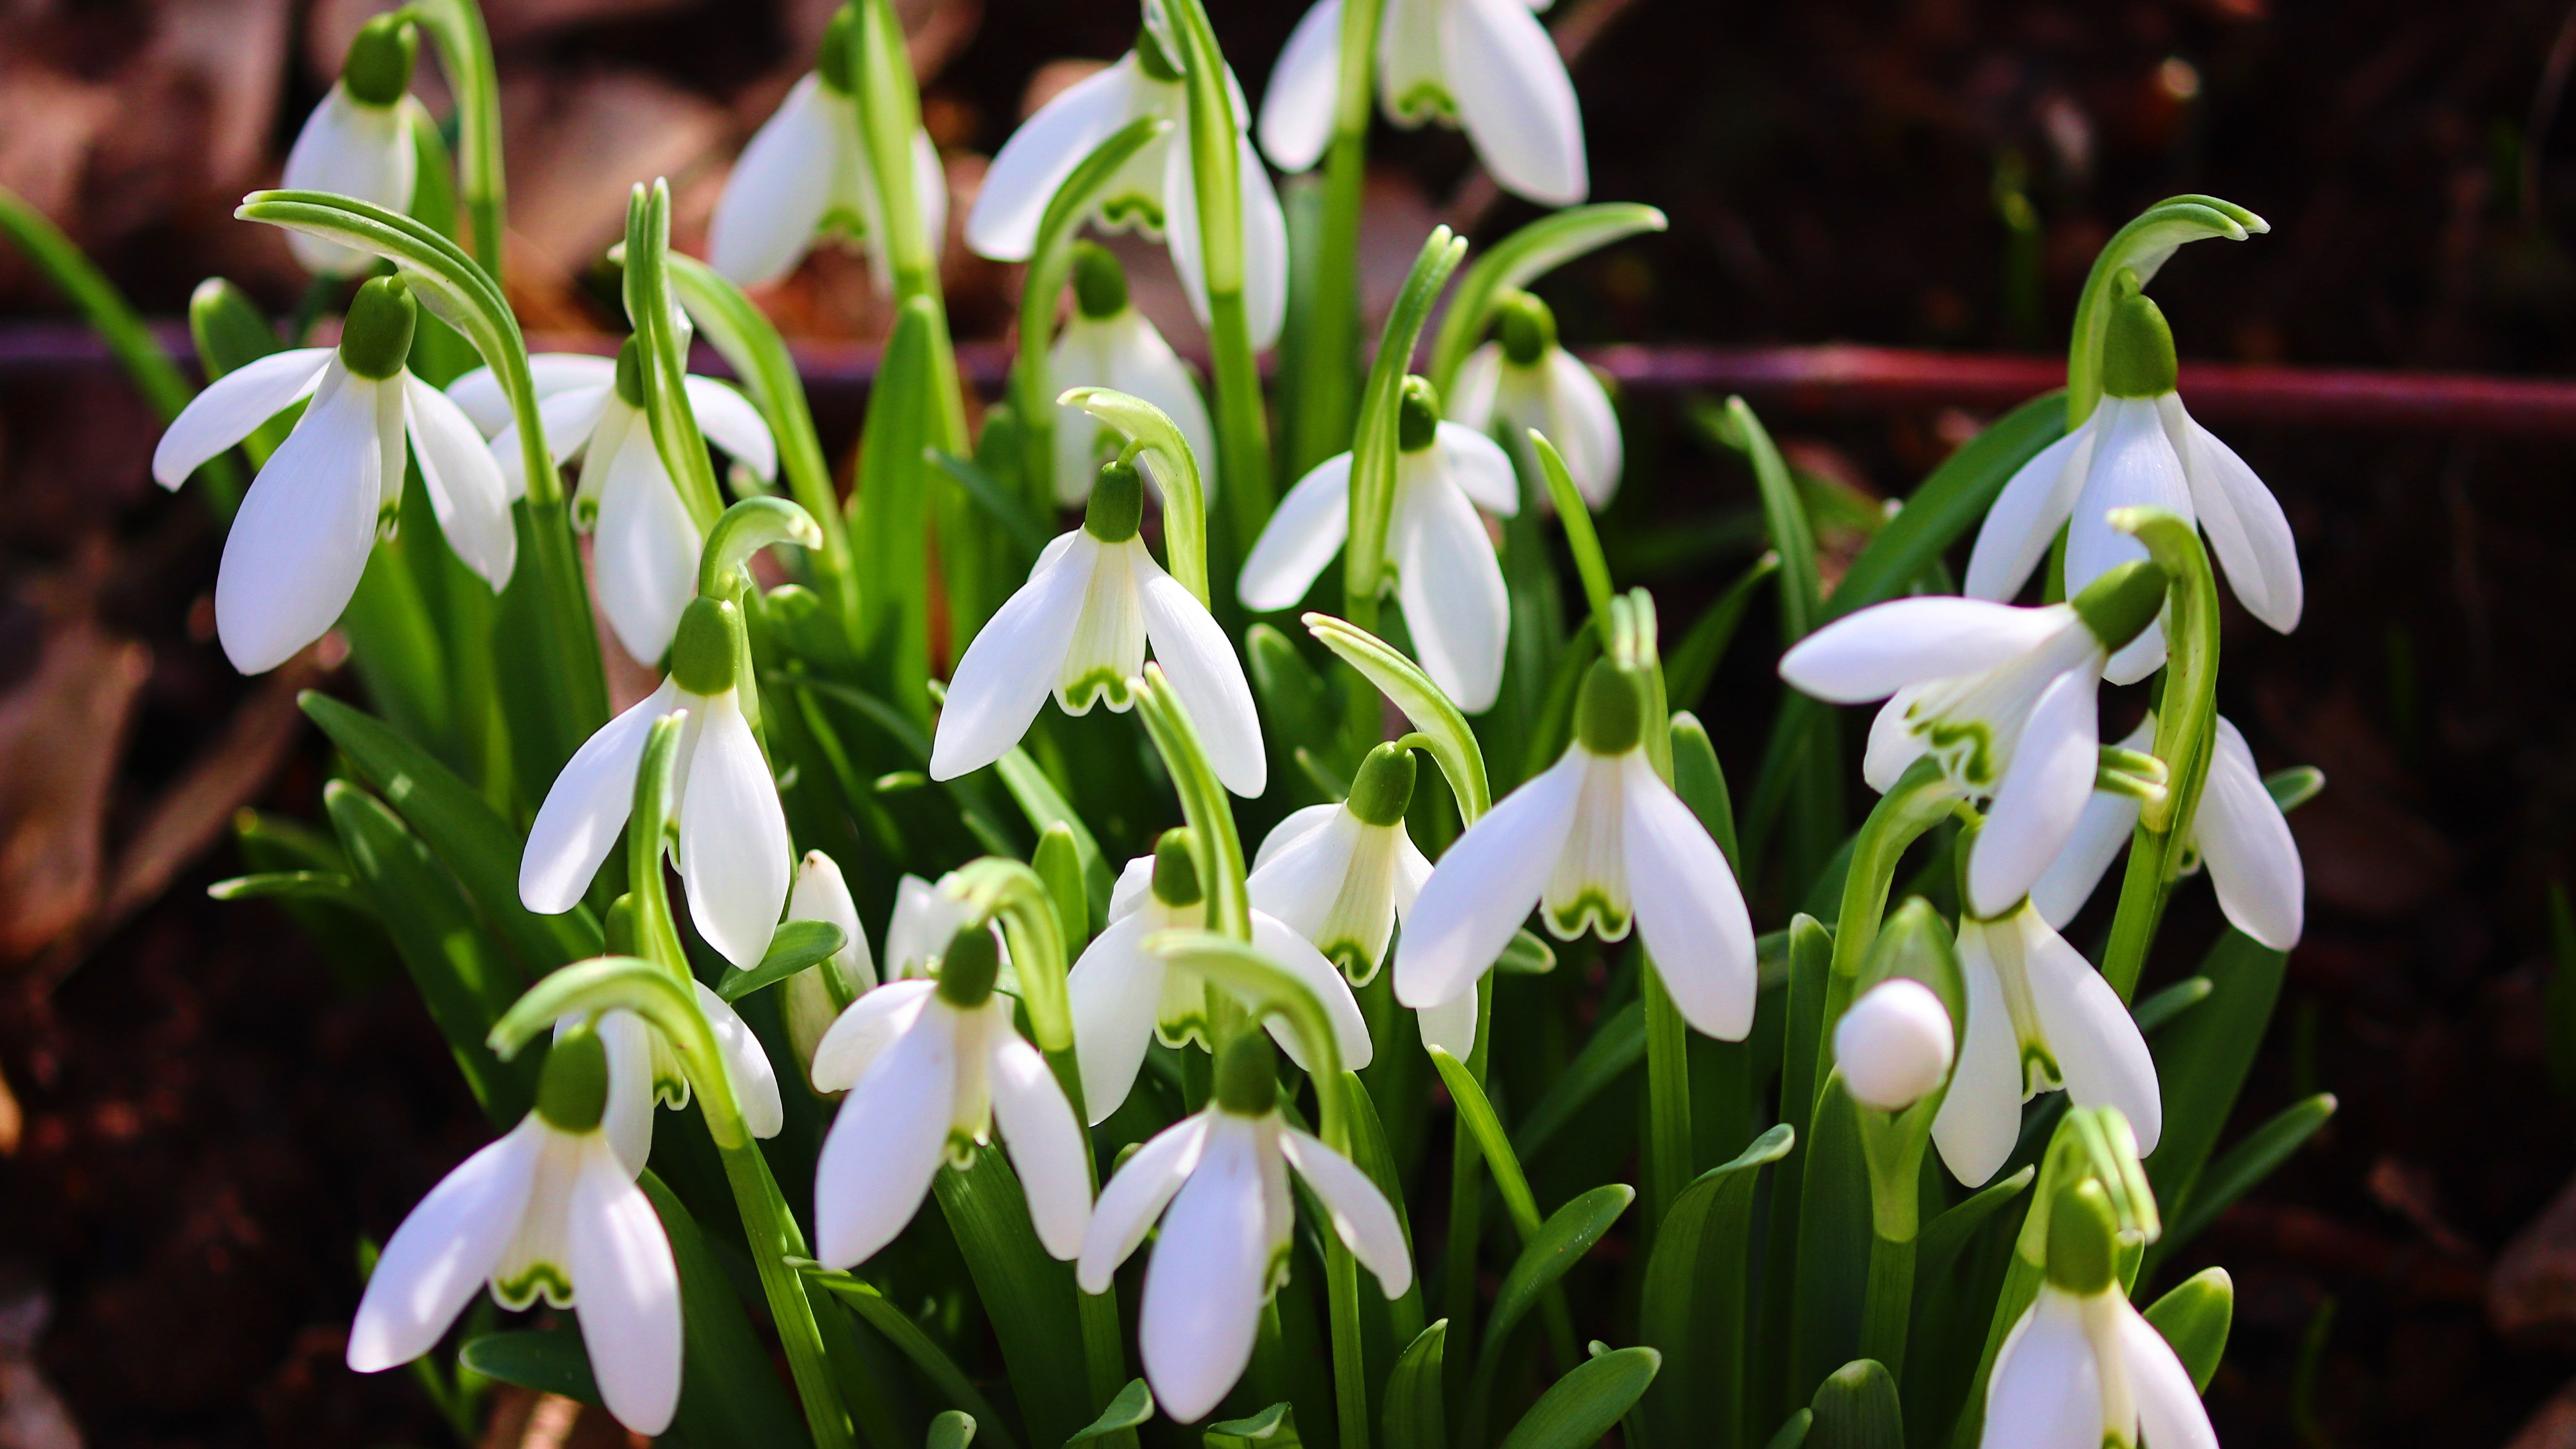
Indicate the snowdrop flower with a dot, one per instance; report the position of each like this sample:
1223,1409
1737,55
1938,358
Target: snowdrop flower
2039,1017
2139,447
1445,573
1078,628
358,141
1598,838
1894,1045
1224,1247
2083,1369
1154,192
1342,875
303,535
2239,831
812,997
2002,697
733,851
643,1071
929,1066
1485,64
1125,996
645,558
1524,379
548,1211
1108,343
926,917
806,174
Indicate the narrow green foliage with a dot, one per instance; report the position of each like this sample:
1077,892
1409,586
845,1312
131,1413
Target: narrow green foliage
1856,1408
1698,1304
1580,1407
2194,1318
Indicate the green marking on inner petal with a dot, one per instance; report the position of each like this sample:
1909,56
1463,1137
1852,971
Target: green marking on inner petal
1610,922
1966,749
1275,1277
671,1091
1131,209
1427,98
1180,1031
1354,960
519,1293
2039,1071
842,221
1102,683
961,1150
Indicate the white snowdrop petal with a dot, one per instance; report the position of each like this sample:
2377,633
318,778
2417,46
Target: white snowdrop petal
2247,529
355,150
2025,518
746,1064
1361,1216
480,394
1298,883
1033,164
1135,1197
1200,663
1297,110
1293,953
2133,465
1893,745
1011,666
2169,1408
1113,990
735,858
1515,99
2100,1054
1874,652
1047,1147
443,1252
1479,467
1451,586
729,421
1485,886
1687,905
1142,364
1181,223
2100,832
2253,859
1411,80
2042,796
1135,881
629,1291
232,407
781,184
1472,397
570,420
864,1030
822,893
1304,532
1586,427
1265,247
1449,1025
302,538
1980,1119
586,807
1204,1287
464,481
887,1142
1300,823
627,1120
644,561
1079,358
2046,1392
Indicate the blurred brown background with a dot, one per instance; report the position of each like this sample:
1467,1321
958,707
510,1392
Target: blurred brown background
203,1119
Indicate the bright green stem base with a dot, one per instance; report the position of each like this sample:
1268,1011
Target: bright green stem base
774,1238
1668,1100
1242,424
1890,1304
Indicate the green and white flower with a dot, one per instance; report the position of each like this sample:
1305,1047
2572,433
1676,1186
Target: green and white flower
1894,1045
1524,379
809,998
1341,876
1108,343
358,142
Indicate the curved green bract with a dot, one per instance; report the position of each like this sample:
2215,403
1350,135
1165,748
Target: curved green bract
1522,258
745,529
465,53
2141,248
1373,444
1215,848
1444,728
1150,430
1239,967
1576,516
630,983
1050,263
1012,893
661,327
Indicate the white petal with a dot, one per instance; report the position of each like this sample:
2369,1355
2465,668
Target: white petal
1291,952
1479,466
1297,110
1360,1213
754,1081
628,1120
1265,247
1134,884
2042,796
1134,1198
923,921
735,858
1412,79
1584,427
1894,1046
1114,988
301,540
1181,224
1451,586
1879,650
1205,1286
1485,886
1304,532
1301,823
2100,832
1080,358
1894,745
570,420
1472,397
1011,666
232,407
929,200
1200,663
645,557
1299,882
1449,1025
1142,364
2026,516
1047,1146
729,421
465,488
2169,1408
479,391
2247,529
1515,99
1980,1119
586,808
356,150
2100,1055
2253,859
1038,157
443,1251
865,1029
774,200
822,893
2133,465
888,1140
1688,908
629,1292
2046,1392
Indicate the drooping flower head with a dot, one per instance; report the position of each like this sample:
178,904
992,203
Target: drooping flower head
1342,875
1224,1247
302,538
358,142
1445,573
1108,343
2139,447
1524,379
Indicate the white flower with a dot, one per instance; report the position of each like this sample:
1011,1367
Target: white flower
1485,64
1126,997
926,917
929,1066
645,559
2239,831
1599,838
643,1071
303,535
1108,343
2083,1369
548,1211
2039,1016
734,855
2001,697
1894,1044
2139,447
1524,379
1155,191
1444,570
806,174
1341,875
358,142
1224,1246
811,999
1078,628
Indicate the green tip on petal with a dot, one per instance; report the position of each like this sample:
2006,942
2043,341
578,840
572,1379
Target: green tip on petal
1099,283
1247,1074
1151,58
377,70
702,651
617,929
1526,326
2119,606
838,63
1417,419
375,338
967,969
2083,1240
1610,714
572,1095
1117,504
1176,873
1383,788
2138,355
630,371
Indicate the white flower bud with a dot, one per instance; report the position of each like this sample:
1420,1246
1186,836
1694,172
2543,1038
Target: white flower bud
1894,1045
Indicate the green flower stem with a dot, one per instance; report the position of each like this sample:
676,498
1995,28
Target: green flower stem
1467,1198
1242,419
655,314
889,115
1328,392
1892,1146
1889,1301
465,51
1668,1102
1921,797
745,529
1151,431
1520,259
2141,247
2186,735
1215,849
1443,729
657,932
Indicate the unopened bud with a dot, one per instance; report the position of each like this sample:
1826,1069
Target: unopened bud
1894,1045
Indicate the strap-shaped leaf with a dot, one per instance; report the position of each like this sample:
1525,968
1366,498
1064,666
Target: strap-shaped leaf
1273,1428
951,1429
1522,258
1414,1417
795,946
1582,1406
2159,1010
1576,516
2244,1166
1696,1304
1616,1045
1027,1296
933,1362
729,1394
1948,504
2194,1318
1549,1255
547,1360
1373,444
1856,1408
1132,1406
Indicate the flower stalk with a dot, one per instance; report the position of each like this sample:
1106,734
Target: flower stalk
1328,389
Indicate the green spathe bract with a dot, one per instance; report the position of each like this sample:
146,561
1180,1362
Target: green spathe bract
837,62
702,661
1383,788
377,70
375,340
2119,606
630,371
572,1095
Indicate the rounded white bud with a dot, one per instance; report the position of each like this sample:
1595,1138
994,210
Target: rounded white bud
1894,1045
811,1002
